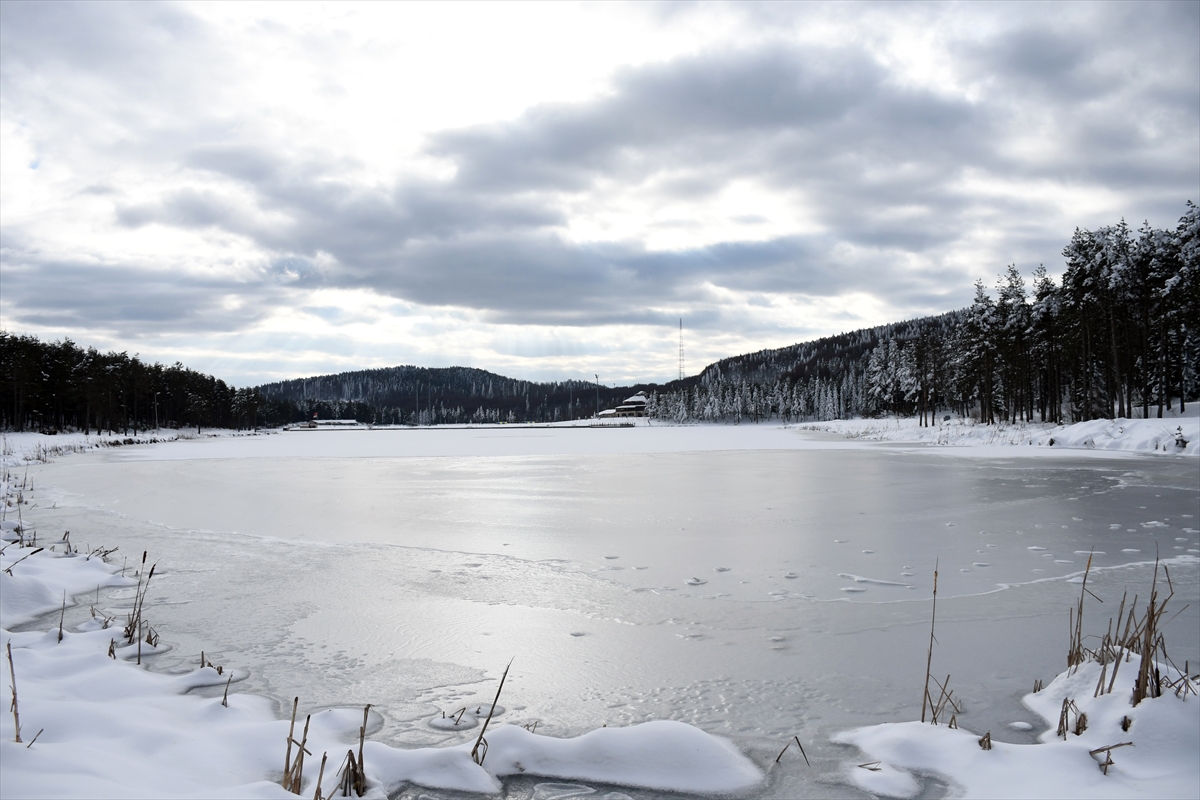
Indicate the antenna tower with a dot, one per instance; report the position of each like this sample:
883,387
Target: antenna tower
681,348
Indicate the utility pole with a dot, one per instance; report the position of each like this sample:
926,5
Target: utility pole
681,348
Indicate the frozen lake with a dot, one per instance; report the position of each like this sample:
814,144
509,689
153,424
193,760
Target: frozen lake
754,581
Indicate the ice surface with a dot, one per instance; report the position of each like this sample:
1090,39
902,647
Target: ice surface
404,569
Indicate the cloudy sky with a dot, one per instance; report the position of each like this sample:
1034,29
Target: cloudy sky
543,190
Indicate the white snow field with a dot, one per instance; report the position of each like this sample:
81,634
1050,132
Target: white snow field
677,603
1151,435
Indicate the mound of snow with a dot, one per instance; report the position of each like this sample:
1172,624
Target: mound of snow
1162,762
95,725
1161,436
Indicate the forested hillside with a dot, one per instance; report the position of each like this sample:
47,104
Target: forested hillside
416,395
1118,336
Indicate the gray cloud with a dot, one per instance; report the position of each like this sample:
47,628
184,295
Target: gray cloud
881,162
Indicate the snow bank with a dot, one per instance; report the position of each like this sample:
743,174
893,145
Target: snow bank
27,447
1127,435
95,724
1162,762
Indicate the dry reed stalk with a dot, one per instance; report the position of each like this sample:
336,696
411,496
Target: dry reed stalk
929,657
320,776
1107,750
294,775
985,742
360,772
62,615
287,758
9,568
35,738
476,756
12,673
1076,652
225,699
139,600
795,739
1151,641
873,766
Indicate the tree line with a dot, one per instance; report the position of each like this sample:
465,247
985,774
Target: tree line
57,386
409,395
1116,337
61,386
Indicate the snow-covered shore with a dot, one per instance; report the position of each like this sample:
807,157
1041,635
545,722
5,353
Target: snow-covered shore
110,728
1156,754
96,723
1162,436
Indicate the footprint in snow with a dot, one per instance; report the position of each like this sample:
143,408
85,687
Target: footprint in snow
721,569
981,564
906,574
696,582
868,552
610,558
791,575
1035,548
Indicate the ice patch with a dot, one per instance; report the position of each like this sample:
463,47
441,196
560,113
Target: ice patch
860,579
454,722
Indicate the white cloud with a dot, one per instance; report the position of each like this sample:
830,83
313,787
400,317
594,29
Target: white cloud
268,189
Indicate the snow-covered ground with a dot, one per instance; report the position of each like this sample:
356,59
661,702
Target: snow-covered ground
705,591
94,722
1156,754
1174,435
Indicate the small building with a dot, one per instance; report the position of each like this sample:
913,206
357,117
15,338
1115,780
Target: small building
632,407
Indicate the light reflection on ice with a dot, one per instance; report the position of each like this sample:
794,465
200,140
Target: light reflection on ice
410,582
